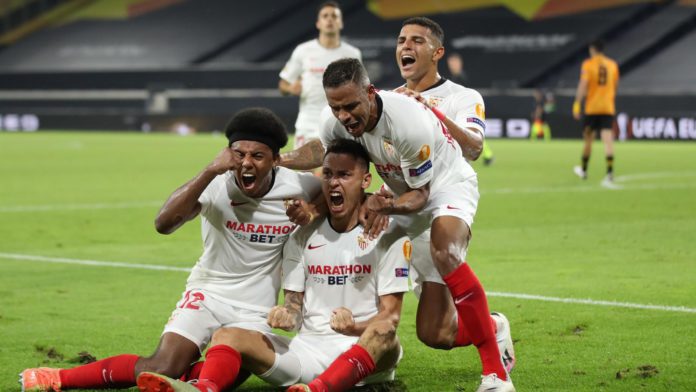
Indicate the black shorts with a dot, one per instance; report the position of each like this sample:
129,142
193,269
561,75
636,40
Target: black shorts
597,122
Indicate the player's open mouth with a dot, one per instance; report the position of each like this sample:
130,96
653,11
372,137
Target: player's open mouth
248,180
353,127
336,199
407,60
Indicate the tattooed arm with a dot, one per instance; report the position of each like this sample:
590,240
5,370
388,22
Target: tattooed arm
287,317
307,157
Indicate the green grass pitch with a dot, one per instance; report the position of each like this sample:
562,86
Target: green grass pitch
544,242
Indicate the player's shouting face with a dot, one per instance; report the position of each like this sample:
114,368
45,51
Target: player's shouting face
344,180
354,106
417,51
253,171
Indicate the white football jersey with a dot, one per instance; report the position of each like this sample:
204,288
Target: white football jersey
243,238
409,146
343,269
461,104
308,61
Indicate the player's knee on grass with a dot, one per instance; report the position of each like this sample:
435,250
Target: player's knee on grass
434,335
436,320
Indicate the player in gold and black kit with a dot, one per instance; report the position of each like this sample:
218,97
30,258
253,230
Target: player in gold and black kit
599,79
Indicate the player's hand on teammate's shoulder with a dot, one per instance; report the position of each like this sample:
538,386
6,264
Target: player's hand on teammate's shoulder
380,203
342,321
373,222
300,212
282,318
226,160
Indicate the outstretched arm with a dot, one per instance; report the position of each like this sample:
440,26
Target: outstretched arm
307,157
183,205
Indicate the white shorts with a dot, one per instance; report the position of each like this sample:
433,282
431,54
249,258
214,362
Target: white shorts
304,357
198,314
459,200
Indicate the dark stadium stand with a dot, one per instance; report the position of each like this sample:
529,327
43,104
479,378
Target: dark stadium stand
672,69
169,38
275,41
637,39
203,60
500,49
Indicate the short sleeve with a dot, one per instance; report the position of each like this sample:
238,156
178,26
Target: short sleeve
327,125
469,110
207,198
393,267
293,261
293,68
415,143
311,185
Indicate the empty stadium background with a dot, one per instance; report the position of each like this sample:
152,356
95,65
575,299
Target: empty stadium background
167,65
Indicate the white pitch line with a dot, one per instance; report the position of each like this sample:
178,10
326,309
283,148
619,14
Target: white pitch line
586,188
69,207
640,176
533,297
98,263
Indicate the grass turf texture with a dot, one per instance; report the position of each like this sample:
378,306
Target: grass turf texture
539,230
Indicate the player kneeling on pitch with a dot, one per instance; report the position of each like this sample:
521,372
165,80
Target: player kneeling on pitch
343,291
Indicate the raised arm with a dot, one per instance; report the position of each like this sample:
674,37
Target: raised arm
182,205
307,157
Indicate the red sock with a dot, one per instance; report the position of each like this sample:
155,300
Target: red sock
221,366
472,306
345,371
462,339
112,372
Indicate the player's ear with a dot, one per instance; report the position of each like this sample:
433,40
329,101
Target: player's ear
438,53
366,181
371,89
